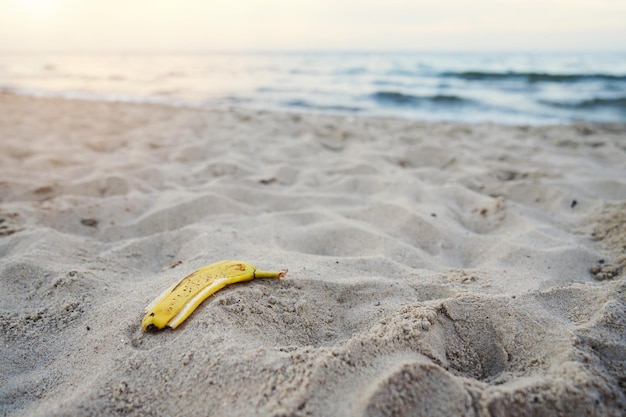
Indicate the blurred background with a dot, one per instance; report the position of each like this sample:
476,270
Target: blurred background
503,61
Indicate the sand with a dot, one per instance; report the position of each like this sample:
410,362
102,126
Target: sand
434,268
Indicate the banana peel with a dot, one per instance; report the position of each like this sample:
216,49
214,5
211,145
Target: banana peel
176,303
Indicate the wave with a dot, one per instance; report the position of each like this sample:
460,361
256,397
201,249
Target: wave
397,98
304,104
532,77
596,103
353,71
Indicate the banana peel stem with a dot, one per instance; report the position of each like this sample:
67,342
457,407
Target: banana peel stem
270,274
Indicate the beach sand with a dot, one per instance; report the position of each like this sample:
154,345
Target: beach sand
435,269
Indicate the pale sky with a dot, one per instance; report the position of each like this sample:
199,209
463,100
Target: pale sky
170,25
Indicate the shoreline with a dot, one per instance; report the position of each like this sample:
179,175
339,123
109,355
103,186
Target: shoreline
122,99
135,101
434,267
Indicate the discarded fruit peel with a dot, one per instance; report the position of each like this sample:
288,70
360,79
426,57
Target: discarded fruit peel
176,303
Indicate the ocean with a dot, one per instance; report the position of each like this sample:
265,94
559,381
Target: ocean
510,88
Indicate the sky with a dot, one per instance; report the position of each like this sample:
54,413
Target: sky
381,25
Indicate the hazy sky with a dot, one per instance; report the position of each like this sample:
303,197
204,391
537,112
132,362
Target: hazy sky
313,24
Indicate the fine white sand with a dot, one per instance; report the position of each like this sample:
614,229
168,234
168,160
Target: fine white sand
434,269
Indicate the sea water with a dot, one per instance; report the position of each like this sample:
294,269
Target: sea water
513,88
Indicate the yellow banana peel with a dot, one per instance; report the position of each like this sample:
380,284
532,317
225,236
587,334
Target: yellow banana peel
176,303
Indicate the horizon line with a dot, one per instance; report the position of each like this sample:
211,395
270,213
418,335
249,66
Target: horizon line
305,50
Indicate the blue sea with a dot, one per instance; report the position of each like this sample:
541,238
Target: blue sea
511,88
